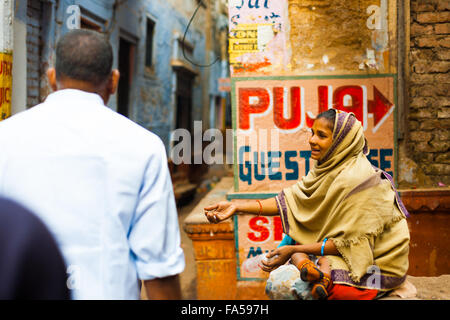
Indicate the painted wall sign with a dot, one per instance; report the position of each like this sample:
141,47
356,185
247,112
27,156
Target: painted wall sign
256,235
273,117
272,120
258,36
6,60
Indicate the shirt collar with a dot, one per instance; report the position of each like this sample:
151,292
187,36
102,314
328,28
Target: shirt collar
68,94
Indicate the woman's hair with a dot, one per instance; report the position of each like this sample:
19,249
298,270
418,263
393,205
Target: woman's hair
330,116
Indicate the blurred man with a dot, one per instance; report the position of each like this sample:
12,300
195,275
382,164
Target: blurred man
31,265
98,180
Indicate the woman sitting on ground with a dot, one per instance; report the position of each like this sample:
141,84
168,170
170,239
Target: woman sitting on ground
345,212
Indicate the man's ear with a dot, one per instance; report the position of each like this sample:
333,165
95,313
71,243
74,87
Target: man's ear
113,81
51,76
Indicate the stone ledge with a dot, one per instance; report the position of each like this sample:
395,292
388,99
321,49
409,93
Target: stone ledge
206,231
193,222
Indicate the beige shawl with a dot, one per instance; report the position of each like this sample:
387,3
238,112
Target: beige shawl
345,199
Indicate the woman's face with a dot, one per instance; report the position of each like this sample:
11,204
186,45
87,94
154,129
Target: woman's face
321,139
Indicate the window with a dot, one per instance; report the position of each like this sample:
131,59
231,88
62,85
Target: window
88,24
91,21
149,43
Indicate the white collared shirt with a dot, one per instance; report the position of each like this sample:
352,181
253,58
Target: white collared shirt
101,184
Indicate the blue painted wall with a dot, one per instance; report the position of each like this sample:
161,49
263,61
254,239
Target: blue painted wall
151,103
153,96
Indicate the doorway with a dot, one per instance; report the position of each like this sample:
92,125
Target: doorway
126,63
184,100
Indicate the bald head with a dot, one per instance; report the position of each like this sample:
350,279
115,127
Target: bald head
83,55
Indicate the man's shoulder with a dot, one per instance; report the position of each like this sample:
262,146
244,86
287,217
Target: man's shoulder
130,134
25,114
132,129
23,119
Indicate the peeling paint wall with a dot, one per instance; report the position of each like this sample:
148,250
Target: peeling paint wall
293,37
330,36
258,37
7,19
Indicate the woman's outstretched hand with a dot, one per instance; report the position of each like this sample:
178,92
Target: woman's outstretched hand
220,211
276,258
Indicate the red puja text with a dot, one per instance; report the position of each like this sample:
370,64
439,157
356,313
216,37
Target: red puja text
287,105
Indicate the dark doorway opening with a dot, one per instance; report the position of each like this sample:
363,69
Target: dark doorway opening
183,120
126,62
184,100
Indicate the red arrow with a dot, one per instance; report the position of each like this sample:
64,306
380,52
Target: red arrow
380,107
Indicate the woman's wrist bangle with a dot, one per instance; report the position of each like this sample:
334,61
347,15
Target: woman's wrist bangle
323,246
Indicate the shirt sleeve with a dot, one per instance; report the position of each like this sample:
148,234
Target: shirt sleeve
154,237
